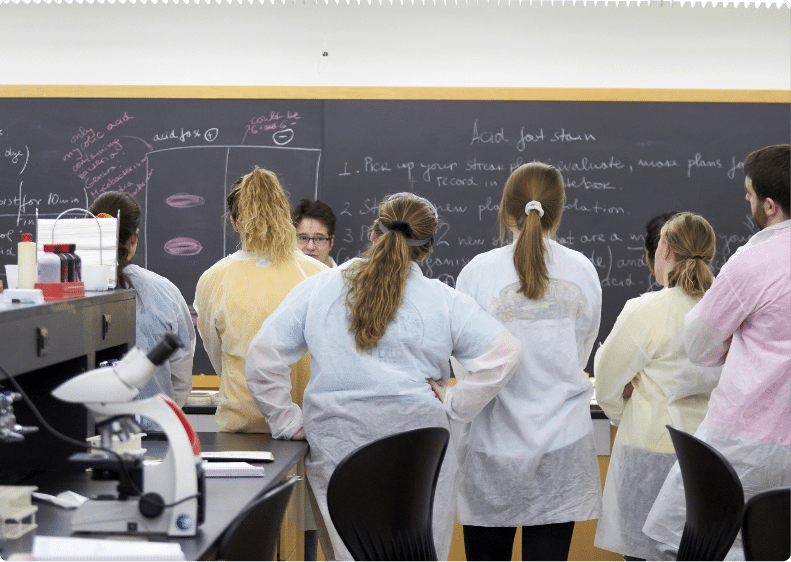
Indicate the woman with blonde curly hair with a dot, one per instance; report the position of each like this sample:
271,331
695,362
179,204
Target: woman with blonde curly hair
380,337
238,293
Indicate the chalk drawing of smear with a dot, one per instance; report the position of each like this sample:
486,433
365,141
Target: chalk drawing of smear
183,247
184,200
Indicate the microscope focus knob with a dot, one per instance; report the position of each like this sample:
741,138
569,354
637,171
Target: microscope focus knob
151,505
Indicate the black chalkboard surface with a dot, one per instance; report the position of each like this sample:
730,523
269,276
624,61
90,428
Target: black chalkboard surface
623,163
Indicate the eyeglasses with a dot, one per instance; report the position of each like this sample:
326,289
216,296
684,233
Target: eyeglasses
319,241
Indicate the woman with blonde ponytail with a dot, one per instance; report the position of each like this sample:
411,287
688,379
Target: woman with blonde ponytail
645,351
529,459
380,337
238,293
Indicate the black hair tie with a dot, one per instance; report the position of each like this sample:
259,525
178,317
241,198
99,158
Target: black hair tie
698,258
402,227
406,230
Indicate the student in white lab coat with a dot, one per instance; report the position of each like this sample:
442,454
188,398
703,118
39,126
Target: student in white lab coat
528,458
379,334
645,351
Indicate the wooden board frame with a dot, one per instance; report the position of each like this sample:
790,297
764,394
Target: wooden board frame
401,93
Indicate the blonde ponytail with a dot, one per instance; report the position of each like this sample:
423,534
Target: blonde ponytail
376,284
691,239
262,214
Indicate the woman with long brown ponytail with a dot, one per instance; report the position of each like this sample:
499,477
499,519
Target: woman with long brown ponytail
646,351
529,459
380,337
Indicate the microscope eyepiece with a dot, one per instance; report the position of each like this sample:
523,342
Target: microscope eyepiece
164,349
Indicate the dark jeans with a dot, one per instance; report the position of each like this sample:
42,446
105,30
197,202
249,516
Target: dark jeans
539,542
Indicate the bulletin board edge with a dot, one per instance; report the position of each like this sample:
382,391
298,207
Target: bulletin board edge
397,93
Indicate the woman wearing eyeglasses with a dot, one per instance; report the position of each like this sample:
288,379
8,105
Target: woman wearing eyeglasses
315,224
238,293
380,337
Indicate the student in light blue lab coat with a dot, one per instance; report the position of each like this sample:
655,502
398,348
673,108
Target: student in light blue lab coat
380,334
528,459
159,306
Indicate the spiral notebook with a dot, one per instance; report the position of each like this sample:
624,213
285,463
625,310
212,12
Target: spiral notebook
219,469
75,548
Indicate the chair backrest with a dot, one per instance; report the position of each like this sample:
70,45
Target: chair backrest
766,525
254,532
714,499
381,496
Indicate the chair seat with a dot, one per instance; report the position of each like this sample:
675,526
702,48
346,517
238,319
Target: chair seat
766,525
381,496
714,499
254,532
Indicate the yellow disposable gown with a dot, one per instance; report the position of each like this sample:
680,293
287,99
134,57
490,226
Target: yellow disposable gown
233,298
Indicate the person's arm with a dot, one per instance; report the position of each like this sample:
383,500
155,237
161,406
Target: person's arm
278,344
487,374
617,361
593,332
181,360
720,306
207,327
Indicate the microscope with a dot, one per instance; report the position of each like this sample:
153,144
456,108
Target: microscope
166,497
10,431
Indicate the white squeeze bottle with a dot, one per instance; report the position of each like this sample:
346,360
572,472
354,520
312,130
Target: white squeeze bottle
26,262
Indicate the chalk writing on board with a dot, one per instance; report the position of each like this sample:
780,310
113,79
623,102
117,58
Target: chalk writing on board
735,166
699,162
103,164
275,122
183,135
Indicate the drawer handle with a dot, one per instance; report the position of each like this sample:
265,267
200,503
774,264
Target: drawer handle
42,341
106,321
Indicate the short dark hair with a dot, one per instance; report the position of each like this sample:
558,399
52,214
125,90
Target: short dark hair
314,210
767,168
653,229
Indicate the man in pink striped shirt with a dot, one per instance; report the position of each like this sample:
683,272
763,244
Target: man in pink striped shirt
744,323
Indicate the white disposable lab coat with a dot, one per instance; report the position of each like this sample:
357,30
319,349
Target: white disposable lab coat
741,323
354,398
645,347
528,458
159,309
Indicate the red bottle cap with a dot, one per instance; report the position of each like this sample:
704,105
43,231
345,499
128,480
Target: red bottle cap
49,248
27,237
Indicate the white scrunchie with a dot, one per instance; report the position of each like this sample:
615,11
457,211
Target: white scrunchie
534,206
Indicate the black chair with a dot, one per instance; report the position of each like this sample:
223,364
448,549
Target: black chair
766,525
714,499
254,532
381,496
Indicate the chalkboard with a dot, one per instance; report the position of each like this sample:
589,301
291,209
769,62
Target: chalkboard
623,163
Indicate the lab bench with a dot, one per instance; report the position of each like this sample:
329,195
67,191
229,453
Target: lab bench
42,346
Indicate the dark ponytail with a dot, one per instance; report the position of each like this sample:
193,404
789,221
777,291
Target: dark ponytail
111,202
